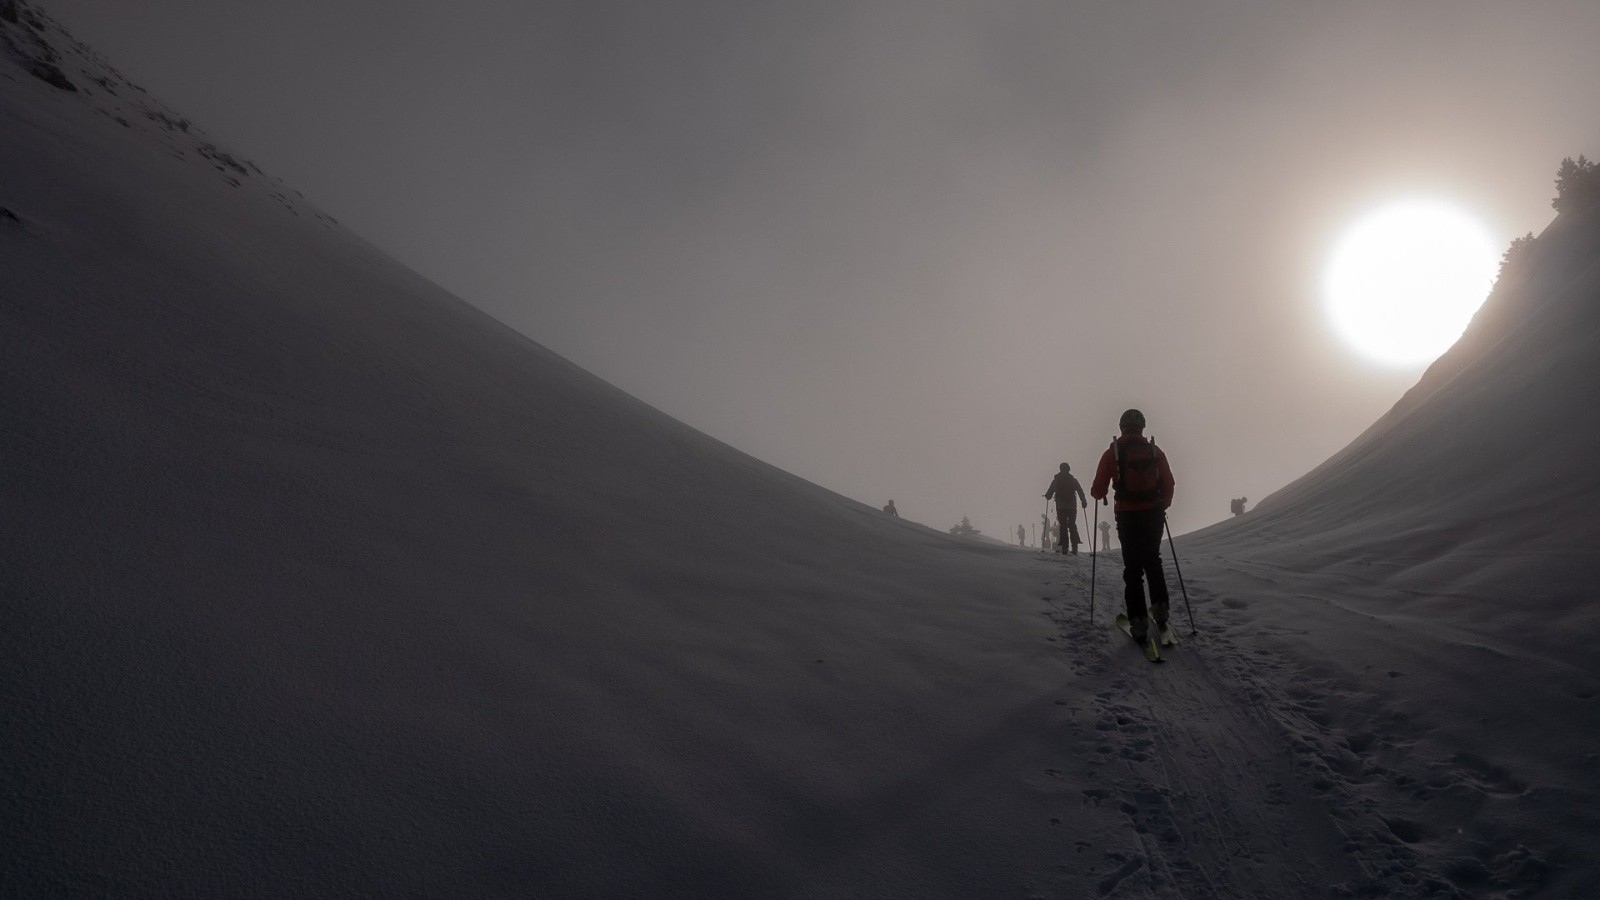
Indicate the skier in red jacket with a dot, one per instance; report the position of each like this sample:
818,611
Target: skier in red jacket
1139,472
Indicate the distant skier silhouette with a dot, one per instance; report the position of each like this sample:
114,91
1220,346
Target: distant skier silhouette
1062,489
1022,536
891,510
1237,505
1105,535
1139,471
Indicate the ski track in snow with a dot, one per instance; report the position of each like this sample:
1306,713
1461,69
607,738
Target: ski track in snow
1412,783
1193,771
1236,776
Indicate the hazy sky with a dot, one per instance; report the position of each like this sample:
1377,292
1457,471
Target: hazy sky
920,250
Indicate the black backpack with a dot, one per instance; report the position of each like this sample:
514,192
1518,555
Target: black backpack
1138,472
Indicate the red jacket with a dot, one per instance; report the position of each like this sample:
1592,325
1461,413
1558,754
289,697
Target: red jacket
1108,470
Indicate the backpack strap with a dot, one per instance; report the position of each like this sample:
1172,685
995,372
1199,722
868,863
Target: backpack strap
1155,460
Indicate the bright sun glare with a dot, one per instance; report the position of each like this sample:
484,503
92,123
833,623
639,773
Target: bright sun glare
1404,280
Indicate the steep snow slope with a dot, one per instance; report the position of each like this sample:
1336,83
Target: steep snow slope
1482,479
1429,594
319,582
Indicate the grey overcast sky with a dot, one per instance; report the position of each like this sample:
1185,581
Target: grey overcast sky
920,250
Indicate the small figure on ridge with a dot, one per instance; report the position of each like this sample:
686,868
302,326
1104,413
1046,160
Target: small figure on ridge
1062,489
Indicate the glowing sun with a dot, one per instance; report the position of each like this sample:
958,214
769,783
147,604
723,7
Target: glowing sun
1403,281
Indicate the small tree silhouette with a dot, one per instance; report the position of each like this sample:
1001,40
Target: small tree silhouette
964,528
1577,184
1516,255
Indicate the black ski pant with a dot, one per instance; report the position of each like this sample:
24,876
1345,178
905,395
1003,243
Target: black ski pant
1068,516
1140,534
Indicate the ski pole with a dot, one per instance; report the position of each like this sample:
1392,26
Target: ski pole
1174,548
1044,539
1094,560
1091,536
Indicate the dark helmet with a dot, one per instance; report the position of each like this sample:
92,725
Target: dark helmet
1066,468
1132,420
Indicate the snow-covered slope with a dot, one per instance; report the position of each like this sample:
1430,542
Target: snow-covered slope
1482,478
1479,488
1430,592
318,582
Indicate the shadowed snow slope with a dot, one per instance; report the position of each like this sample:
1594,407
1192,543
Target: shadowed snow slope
319,581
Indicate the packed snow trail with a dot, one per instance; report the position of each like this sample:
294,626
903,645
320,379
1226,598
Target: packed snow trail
1253,767
1452,746
1204,785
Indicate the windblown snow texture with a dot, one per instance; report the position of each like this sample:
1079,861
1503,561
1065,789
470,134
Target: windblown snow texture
318,582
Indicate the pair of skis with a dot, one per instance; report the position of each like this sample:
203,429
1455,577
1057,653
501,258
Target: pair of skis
1151,652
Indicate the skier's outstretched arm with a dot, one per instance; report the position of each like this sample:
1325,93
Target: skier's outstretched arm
1102,476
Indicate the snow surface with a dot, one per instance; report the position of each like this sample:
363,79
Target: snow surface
318,582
